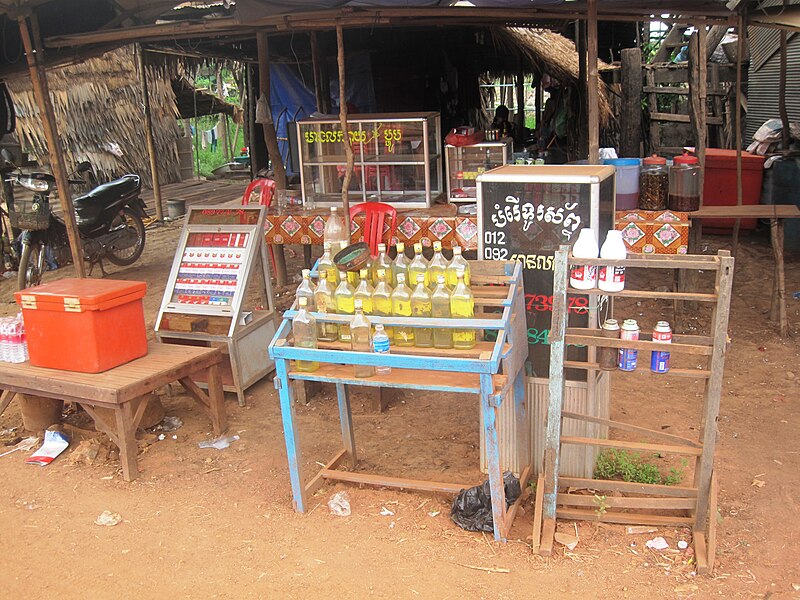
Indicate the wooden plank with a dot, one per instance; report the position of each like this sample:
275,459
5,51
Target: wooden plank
711,547
631,117
683,338
588,340
652,106
480,348
346,421
655,261
678,73
700,552
657,448
5,399
624,502
643,369
592,83
648,295
660,435
126,442
676,118
511,513
629,487
394,482
548,536
674,90
317,481
579,514
758,211
537,514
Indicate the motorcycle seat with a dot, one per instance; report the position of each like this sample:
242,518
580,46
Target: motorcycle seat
108,193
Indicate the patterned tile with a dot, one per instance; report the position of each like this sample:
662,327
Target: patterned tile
317,226
440,228
467,229
267,226
666,234
409,228
631,233
291,225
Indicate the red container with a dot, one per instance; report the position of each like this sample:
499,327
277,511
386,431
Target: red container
86,325
719,186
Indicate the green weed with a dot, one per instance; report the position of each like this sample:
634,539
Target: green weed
630,466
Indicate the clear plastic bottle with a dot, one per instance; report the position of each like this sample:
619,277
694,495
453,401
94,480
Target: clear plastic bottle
584,277
361,339
419,264
401,307
326,264
382,261
380,345
5,341
440,309
400,263
335,232
612,279
306,289
421,307
344,297
462,306
364,292
323,300
457,263
382,300
304,331
437,266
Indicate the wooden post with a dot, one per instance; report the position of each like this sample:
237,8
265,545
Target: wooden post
742,31
348,148
270,136
593,85
698,82
583,82
520,104
782,97
148,134
42,94
323,106
631,118
539,104
223,118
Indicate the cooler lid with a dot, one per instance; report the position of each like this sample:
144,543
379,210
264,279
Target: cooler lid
621,162
724,158
78,295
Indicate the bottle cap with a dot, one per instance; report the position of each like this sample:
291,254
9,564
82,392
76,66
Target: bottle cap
437,246
655,159
440,279
306,273
334,209
420,277
401,247
303,301
381,273
363,273
456,249
326,245
379,327
401,278
685,159
358,305
460,272
381,247
323,274
418,248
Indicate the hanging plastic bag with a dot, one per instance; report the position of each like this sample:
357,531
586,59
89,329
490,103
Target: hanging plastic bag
472,508
263,112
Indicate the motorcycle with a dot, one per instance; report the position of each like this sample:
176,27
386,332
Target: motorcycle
109,218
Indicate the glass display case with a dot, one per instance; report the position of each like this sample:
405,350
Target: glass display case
397,159
465,163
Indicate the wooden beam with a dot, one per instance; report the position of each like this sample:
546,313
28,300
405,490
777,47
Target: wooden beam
593,95
583,83
270,136
631,117
673,39
48,117
321,86
520,105
348,148
742,32
148,133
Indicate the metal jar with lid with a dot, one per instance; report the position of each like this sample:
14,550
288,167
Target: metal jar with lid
654,183
684,183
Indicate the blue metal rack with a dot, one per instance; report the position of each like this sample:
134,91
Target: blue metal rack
492,370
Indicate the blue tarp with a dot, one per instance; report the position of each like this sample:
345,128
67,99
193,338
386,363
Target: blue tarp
290,100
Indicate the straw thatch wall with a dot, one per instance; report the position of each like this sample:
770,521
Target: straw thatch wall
98,107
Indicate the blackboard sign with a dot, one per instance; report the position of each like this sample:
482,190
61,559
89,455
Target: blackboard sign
525,214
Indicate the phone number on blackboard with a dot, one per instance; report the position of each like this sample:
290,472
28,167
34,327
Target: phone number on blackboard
542,303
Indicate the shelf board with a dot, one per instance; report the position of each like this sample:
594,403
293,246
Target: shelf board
655,261
591,340
629,487
643,369
578,514
692,296
480,349
656,448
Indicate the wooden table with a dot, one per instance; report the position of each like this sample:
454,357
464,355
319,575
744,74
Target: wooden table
123,392
776,213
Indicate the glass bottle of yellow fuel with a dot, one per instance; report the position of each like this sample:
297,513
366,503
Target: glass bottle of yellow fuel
382,261
344,296
306,288
437,266
326,264
457,263
419,264
361,340
364,292
304,331
440,309
400,263
421,307
323,299
462,306
382,301
401,307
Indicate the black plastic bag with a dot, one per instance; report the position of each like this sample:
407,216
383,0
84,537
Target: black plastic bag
472,508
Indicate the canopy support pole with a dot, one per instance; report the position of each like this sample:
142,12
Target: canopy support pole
270,136
593,83
738,119
148,132
48,117
348,147
520,104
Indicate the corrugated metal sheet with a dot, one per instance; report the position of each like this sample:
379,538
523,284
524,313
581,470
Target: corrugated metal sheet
763,84
763,42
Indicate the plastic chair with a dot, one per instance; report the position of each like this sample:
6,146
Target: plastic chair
265,188
266,191
374,217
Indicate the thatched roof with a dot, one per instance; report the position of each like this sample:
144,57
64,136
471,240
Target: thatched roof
98,108
551,53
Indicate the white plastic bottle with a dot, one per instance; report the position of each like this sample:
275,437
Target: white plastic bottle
612,279
335,232
584,277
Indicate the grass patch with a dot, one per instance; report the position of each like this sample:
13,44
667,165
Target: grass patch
630,466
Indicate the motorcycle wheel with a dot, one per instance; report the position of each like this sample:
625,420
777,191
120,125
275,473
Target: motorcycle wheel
128,256
31,266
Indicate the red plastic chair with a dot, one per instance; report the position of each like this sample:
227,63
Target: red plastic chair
374,217
264,187
266,191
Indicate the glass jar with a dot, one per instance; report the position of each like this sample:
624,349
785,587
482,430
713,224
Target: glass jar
654,183
684,184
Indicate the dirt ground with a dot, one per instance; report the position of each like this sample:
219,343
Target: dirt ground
205,523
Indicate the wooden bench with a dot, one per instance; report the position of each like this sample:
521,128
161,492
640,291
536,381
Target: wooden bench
124,391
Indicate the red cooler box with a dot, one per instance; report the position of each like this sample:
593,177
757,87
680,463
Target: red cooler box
719,186
86,325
